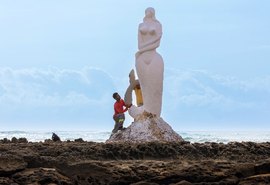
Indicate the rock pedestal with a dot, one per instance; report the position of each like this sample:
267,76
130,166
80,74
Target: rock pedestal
146,128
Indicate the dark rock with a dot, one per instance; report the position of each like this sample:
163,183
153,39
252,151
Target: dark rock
22,140
244,170
55,137
257,179
262,168
5,140
42,176
126,163
183,183
7,181
10,164
79,140
144,183
14,140
48,140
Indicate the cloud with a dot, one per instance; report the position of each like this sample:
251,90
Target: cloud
198,96
56,96
63,98
201,88
54,87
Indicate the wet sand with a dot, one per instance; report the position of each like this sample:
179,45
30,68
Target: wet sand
80,162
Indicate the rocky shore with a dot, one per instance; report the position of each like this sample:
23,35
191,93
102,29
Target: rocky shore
80,162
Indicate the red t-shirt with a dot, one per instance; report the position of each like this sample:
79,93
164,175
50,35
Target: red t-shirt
119,107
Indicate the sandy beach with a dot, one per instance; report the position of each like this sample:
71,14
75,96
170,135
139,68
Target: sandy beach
80,162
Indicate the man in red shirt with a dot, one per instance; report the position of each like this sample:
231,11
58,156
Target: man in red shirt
119,116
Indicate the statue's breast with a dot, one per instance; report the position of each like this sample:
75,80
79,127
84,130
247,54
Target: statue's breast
147,29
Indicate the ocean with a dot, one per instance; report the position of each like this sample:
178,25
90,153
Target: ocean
102,136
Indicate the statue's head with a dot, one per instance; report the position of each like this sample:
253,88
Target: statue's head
150,14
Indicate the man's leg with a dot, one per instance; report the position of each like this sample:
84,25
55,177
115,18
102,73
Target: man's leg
115,124
119,120
115,127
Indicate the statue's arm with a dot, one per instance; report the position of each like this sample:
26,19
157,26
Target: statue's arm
151,42
154,40
150,46
140,40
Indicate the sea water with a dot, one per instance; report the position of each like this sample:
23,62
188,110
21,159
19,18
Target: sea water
102,136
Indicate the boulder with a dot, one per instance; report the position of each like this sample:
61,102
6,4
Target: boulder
7,181
41,176
10,164
146,128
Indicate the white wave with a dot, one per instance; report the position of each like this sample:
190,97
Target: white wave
226,136
102,136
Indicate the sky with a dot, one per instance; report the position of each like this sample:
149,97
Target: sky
61,61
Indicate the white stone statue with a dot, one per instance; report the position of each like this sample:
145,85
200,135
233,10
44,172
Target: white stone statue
149,65
147,126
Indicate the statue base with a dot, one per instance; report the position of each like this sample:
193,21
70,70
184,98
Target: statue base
146,128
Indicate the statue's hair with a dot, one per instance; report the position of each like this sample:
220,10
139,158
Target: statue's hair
152,10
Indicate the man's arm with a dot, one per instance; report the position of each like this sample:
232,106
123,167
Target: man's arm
120,110
127,105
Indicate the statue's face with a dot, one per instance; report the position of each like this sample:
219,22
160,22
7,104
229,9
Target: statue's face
149,12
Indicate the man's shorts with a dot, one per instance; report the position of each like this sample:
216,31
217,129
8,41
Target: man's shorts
119,118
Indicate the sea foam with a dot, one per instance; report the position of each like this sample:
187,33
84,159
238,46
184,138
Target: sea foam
102,136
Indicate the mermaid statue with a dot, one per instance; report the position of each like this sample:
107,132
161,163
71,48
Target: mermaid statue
149,67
